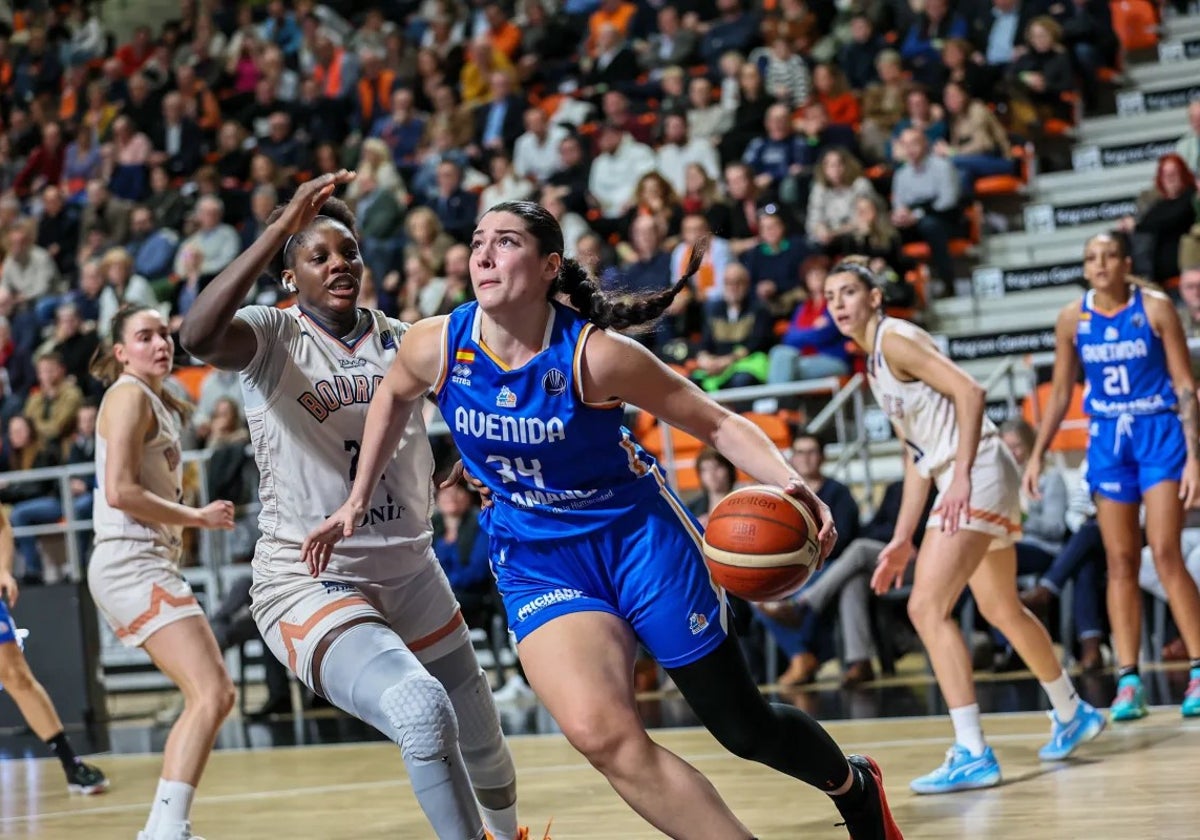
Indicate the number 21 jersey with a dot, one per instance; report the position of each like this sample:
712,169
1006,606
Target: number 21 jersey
1124,363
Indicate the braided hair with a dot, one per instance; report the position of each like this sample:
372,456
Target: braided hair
605,310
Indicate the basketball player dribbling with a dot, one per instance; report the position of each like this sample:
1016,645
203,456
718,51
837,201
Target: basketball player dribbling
134,572
379,632
592,552
937,410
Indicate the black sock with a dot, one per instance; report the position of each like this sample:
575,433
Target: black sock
62,748
854,798
1128,671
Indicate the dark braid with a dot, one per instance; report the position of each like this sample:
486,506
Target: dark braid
604,309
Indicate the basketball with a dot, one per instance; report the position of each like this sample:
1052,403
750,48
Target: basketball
761,544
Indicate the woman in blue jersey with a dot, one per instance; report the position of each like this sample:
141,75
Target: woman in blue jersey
1141,398
592,552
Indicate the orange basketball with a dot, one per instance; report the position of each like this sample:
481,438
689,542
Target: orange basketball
761,544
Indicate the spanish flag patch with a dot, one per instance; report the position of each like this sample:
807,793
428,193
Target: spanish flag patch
464,356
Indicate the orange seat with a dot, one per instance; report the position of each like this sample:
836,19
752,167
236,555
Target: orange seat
1072,435
921,251
993,185
1136,24
191,378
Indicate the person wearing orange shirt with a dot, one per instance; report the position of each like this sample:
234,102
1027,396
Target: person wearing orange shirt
615,13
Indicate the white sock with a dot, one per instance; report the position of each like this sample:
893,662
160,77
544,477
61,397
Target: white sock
1063,697
968,728
173,804
502,824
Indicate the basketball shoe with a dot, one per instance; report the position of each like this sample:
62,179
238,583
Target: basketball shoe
522,832
185,833
86,779
1065,737
1191,697
1130,702
872,819
960,771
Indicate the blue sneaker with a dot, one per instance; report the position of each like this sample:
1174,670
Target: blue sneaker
960,771
1130,703
1065,737
1191,698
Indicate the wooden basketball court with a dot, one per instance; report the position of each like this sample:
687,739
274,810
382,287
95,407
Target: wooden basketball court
1137,781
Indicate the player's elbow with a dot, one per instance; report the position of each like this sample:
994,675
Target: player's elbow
117,495
194,341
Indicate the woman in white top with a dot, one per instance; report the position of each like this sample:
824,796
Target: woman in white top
937,411
134,572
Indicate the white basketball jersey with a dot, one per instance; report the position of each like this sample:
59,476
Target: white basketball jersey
161,474
924,416
307,395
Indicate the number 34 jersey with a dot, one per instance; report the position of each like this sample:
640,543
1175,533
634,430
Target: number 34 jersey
557,466
307,394
1124,363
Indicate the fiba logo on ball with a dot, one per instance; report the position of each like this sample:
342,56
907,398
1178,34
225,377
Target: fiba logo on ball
554,382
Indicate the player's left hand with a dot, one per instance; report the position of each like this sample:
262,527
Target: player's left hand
827,536
9,589
955,506
459,472
317,548
1189,484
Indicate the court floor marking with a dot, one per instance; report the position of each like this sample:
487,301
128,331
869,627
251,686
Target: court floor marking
254,796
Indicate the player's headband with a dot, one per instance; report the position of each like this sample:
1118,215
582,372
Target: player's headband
287,246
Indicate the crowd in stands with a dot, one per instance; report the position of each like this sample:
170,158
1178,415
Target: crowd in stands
785,133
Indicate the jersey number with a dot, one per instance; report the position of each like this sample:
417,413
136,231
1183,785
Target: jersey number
1116,380
353,447
510,469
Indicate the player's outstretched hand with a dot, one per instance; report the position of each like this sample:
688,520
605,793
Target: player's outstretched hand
216,515
827,536
310,197
1189,484
955,504
1032,478
318,545
459,472
893,560
9,589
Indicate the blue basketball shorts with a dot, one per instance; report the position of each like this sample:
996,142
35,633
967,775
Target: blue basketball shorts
1128,455
8,631
646,567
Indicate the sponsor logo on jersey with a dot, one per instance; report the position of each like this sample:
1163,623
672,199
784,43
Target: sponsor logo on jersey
467,356
1138,320
460,374
328,395
698,623
173,456
554,596
506,398
346,364
333,587
1111,334
1115,351
1084,328
506,428
388,339
554,382
542,498
389,511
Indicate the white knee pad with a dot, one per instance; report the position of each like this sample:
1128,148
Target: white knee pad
420,713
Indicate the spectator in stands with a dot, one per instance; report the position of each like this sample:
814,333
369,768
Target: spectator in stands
23,450
838,184
812,347
442,149
281,29
103,208
29,271
774,264
883,104
702,194
677,152
426,238
87,292
166,204
707,120
1088,34
218,241
283,146
779,158
422,292
506,185
717,476
499,119
832,91
483,61
70,343
137,52
1188,146
919,113
803,644
121,286
151,247
749,116
613,67
44,165
873,236
997,31
178,141
51,408
857,55
401,129
573,225
37,72
374,159
58,230
1189,301
785,75
131,150
709,280
546,43
87,41
1165,215
925,198
1039,77
744,200
81,162
736,29
921,47
653,196
456,208
461,546
616,170
958,65
735,338
218,386
976,143
16,372
187,284
379,215
536,151
648,267
671,45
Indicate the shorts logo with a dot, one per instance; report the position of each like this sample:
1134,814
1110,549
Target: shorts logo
698,623
332,587
1110,486
554,382
506,398
460,374
554,596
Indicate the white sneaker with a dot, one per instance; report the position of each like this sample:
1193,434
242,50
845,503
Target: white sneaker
184,834
514,690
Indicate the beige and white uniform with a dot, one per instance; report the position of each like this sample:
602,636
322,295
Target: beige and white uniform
134,572
926,420
306,396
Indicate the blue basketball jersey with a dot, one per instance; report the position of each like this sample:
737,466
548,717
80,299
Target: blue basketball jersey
1124,364
556,465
